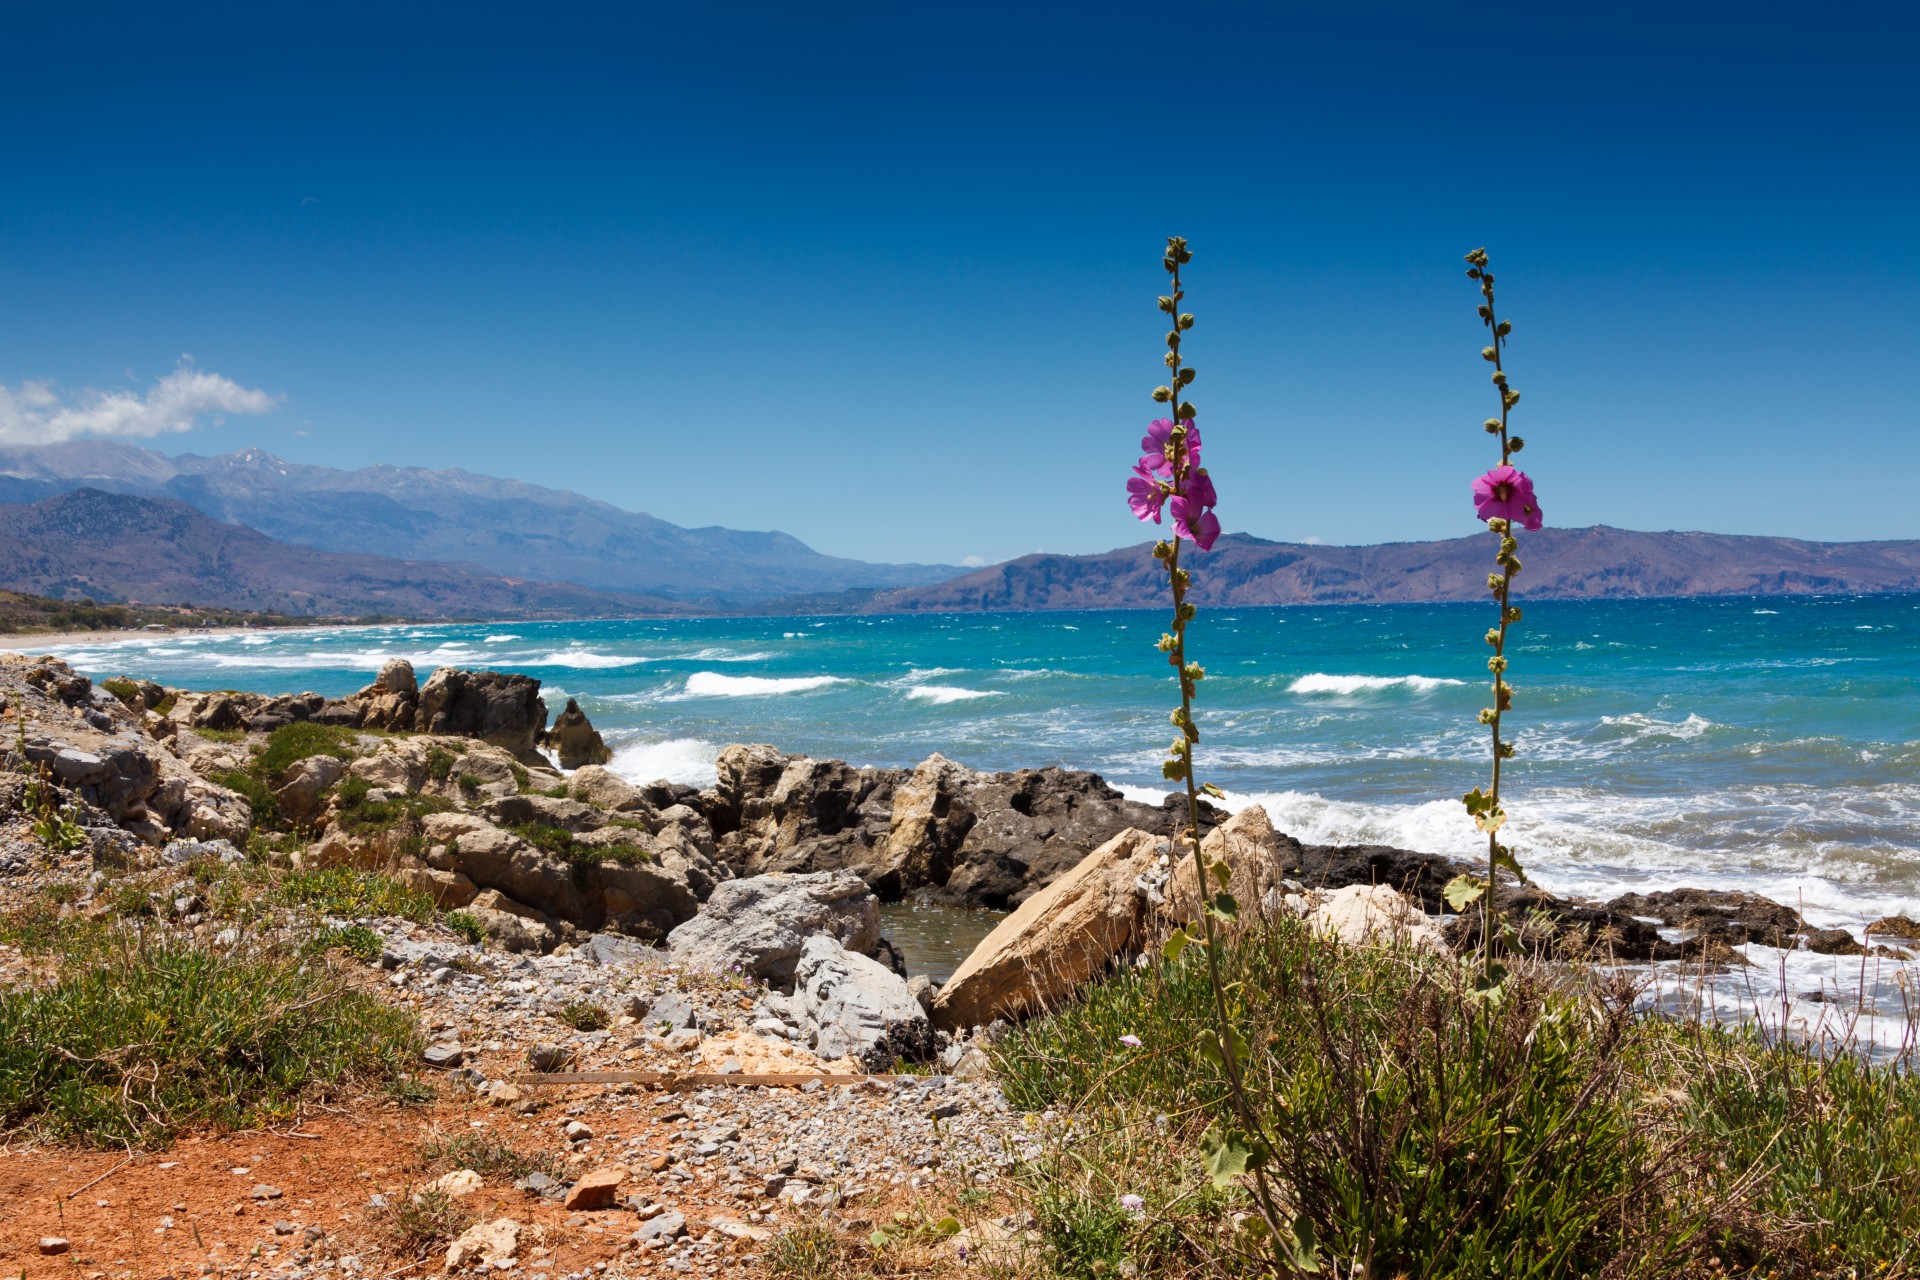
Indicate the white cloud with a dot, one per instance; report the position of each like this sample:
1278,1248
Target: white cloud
972,562
38,413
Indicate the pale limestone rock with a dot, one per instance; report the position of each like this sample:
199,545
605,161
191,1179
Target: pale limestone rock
1060,937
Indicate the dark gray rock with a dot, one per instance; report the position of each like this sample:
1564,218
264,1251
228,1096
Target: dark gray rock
494,706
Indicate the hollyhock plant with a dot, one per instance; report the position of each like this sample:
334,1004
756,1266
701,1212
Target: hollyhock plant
1504,498
1171,473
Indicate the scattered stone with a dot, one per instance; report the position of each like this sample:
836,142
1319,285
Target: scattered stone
665,1226
461,1182
50,1245
264,1192
578,1131
491,1244
447,1054
596,1189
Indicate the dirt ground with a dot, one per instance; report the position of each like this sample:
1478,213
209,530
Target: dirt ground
192,1210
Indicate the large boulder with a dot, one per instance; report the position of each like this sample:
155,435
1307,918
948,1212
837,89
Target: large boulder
1058,938
1258,857
604,789
775,812
574,739
854,1007
1363,915
758,926
494,706
304,782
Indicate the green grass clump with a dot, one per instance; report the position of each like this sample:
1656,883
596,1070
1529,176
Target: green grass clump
414,1223
131,1045
357,940
585,1015
361,816
487,1156
222,735
1424,1126
440,763
561,842
468,927
342,891
291,743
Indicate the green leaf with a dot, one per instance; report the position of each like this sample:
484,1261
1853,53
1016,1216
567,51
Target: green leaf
1210,1050
1306,1248
1503,856
1224,907
1175,944
1491,820
1476,801
1209,789
1225,1155
1222,873
947,1227
1463,891
879,1239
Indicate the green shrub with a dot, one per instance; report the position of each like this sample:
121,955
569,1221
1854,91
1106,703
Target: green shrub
134,1044
341,891
127,691
1418,1125
467,927
553,839
222,735
292,743
266,809
469,785
440,763
360,816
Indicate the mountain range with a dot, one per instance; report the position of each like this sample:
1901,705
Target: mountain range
503,527
114,547
247,530
1592,563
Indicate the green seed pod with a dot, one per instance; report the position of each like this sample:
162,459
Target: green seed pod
1499,377
1162,394
1166,304
1485,312
1186,319
1512,399
1516,444
1187,376
1489,354
1506,327
1186,410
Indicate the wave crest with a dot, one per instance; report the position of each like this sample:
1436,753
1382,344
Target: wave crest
1321,682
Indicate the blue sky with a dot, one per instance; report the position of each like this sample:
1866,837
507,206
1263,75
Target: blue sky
882,276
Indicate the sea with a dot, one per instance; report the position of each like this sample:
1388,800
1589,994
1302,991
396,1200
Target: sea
1764,744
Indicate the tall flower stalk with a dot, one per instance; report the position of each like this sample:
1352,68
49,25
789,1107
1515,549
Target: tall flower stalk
1169,476
1504,498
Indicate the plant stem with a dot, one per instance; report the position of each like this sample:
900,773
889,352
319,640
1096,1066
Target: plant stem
1499,651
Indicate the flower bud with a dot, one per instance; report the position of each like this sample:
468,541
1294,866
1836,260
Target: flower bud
1172,359
1166,304
1496,664
1513,613
1499,378
1162,394
1484,311
1486,715
1493,635
1186,319
1489,354
1173,337
1169,264
1187,376
1494,582
1473,273
1498,524
1186,411
1493,426
1516,444
1512,398
1506,327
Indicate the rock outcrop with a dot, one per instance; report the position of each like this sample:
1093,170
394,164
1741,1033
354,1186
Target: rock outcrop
940,832
493,706
574,740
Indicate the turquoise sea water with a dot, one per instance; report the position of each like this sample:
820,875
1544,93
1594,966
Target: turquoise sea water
1766,744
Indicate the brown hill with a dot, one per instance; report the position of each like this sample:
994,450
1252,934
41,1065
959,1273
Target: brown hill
115,548
1594,563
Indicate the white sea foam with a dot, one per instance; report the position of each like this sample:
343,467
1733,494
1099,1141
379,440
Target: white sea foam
711,684
500,639
725,655
940,695
586,660
688,761
1321,682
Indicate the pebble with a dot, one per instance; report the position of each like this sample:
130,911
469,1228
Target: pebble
50,1245
264,1192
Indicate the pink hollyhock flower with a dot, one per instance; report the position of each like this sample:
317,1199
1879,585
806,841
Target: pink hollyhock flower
1200,490
1145,494
1506,493
1192,520
1154,446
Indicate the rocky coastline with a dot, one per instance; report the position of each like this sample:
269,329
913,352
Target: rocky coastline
730,930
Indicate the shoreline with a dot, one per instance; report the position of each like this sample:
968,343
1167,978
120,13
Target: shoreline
32,644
